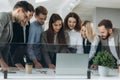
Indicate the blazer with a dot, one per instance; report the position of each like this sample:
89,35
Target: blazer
18,36
105,45
18,46
49,50
6,33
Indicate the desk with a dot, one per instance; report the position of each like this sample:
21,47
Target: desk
48,74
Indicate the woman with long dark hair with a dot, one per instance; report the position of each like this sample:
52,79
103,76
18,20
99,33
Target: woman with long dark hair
54,40
72,25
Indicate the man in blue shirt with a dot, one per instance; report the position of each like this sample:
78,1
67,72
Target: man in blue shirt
36,28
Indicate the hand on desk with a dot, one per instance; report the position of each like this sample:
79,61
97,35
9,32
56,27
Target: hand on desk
19,66
52,66
4,66
93,67
37,64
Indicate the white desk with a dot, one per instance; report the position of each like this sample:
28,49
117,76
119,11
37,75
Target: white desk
48,74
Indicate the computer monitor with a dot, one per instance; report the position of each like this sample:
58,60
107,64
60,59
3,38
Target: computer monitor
71,64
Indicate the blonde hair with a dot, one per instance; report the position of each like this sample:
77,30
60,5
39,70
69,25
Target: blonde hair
90,31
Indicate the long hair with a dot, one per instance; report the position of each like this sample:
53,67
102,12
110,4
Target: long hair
90,30
78,21
50,32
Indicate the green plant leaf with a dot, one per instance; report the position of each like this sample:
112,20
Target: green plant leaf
104,58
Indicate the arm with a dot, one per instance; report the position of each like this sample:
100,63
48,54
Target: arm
31,43
44,49
4,65
32,46
79,44
3,22
18,56
64,47
118,61
94,45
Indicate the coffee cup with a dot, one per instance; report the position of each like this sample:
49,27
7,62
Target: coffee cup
28,68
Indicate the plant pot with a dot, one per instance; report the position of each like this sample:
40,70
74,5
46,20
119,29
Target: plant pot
103,71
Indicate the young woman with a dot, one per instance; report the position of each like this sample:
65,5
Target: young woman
72,25
90,39
53,40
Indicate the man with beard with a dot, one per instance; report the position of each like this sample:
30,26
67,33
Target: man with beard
20,14
110,38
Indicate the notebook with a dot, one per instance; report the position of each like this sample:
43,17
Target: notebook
71,64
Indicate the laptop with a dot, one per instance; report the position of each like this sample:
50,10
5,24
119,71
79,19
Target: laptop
71,64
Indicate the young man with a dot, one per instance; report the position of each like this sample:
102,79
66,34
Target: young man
110,38
20,14
36,28
19,45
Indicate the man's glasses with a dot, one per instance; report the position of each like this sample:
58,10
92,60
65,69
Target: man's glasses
25,14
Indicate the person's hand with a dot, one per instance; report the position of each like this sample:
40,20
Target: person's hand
93,67
52,66
19,66
4,66
37,64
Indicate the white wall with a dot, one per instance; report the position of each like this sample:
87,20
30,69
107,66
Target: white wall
5,6
107,13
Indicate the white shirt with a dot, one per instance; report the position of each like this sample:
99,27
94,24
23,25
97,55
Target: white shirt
76,41
86,41
111,44
24,33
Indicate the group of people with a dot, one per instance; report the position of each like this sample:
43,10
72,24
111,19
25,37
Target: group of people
22,41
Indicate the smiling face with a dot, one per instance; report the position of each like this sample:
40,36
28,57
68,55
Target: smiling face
71,23
57,26
30,15
22,16
104,33
83,32
41,18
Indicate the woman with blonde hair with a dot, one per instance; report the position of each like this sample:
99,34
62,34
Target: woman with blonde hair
90,39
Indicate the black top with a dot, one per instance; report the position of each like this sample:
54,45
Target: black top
18,47
86,47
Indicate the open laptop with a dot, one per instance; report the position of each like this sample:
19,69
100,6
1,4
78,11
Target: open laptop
71,64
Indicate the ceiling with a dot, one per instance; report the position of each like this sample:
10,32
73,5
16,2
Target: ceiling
84,8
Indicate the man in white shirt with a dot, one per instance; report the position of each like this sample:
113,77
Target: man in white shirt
110,38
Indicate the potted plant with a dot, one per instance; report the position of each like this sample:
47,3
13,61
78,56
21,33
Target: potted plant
104,60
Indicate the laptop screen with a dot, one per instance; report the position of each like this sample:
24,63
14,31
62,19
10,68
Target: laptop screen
71,63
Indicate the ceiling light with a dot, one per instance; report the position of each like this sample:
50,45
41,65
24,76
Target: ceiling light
38,1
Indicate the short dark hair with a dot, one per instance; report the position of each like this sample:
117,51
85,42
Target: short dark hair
41,9
107,23
25,5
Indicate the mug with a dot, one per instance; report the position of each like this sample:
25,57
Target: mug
28,68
